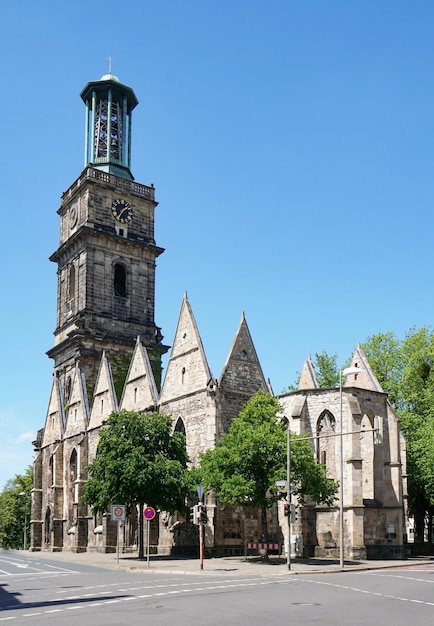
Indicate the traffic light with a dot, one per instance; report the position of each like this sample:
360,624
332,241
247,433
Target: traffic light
294,513
203,515
194,514
286,509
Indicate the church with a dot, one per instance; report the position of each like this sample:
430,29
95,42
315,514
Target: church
107,356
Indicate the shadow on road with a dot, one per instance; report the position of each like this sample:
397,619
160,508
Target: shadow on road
10,601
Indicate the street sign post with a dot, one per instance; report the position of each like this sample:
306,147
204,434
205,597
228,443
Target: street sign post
200,490
118,515
148,514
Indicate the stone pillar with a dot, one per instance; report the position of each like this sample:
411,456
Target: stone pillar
36,521
354,542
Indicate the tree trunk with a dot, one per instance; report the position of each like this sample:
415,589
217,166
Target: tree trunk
430,523
264,530
419,521
140,531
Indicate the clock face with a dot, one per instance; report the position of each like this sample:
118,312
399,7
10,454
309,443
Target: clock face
122,211
73,215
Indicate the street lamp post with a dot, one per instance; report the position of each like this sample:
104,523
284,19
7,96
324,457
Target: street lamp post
288,480
345,372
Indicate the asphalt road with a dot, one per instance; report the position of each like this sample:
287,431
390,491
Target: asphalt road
51,591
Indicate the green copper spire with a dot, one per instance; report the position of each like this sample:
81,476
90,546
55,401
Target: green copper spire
109,106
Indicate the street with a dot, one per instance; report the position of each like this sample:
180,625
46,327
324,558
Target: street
40,590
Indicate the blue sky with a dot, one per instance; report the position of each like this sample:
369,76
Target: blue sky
291,145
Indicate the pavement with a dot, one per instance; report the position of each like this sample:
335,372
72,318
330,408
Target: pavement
233,566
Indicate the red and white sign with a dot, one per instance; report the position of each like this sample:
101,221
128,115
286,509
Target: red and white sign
261,546
118,513
149,513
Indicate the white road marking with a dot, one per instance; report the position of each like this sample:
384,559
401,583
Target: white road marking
419,580
193,587
373,593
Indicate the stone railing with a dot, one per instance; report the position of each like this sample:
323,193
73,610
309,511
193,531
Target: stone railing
130,186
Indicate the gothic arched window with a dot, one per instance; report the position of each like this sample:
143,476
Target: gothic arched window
72,477
120,281
180,426
73,465
51,470
47,526
325,443
68,389
367,451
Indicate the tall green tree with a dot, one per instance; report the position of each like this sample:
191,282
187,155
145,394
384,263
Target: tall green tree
417,420
139,461
405,370
15,505
327,370
252,456
385,355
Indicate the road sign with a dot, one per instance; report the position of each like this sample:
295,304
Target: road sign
200,490
281,483
118,513
149,513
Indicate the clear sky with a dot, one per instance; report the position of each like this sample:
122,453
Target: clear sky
291,144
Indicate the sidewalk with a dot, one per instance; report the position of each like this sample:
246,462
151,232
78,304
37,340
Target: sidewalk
227,566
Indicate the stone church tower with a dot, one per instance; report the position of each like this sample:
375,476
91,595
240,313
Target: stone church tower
105,296
107,252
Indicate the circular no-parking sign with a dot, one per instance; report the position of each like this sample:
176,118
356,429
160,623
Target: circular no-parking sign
149,513
118,513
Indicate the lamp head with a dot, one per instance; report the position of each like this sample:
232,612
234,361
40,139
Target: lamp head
351,370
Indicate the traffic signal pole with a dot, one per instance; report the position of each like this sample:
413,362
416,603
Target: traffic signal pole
200,536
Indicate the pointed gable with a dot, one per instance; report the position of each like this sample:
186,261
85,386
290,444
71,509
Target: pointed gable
366,379
77,415
104,397
140,391
308,379
54,422
242,370
187,368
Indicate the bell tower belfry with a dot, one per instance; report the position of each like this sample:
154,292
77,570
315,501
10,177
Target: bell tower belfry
107,254
109,106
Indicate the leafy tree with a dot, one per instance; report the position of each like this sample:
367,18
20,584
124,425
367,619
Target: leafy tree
385,356
417,419
15,505
327,370
139,461
251,457
406,371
